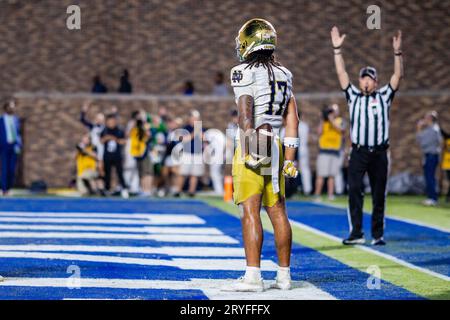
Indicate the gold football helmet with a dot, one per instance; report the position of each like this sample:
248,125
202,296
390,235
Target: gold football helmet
254,35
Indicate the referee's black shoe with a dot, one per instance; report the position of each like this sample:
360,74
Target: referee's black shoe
378,242
354,240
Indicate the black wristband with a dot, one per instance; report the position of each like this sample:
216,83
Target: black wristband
336,47
398,53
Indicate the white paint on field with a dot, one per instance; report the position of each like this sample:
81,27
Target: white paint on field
211,287
171,251
121,236
156,230
181,263
156,220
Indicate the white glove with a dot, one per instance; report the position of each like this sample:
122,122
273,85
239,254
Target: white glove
289,169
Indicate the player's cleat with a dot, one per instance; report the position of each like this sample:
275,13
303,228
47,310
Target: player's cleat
283,280
354,240
378,242
245,284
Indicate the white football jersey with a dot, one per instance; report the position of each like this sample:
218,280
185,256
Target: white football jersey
270,97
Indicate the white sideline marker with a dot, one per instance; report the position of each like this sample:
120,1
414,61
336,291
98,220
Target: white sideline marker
156,230
210,287
122,236
171,251
181,263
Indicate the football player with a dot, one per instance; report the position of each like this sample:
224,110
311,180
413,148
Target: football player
263,91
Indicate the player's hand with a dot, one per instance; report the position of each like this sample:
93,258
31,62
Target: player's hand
86,106
397,41
336,38
289,169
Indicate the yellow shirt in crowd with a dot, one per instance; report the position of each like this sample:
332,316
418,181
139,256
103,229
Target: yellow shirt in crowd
85,162
446,156
331,139
137,146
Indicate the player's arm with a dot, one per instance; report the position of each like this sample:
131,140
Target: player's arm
291,139
291,130
337,41
245,114
398,61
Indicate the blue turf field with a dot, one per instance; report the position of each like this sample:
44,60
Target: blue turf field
163,271
421,246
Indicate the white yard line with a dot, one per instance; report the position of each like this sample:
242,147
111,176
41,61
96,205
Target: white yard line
211,287
156,230
179,220
181,263
150,216
121,236
372,251
171,251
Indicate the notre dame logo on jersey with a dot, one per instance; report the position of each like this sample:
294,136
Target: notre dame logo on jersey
237,76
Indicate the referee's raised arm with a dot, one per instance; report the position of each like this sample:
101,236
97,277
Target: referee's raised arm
398,61
337,41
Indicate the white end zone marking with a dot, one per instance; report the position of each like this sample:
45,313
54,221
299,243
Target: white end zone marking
181,263
156,230
211,287
127,236
150,220
171,251
372,251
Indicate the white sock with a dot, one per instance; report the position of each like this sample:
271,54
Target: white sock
253,273
284,271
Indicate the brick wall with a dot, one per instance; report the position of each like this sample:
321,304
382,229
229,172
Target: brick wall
163,43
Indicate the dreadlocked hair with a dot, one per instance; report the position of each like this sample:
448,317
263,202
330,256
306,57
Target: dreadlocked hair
266,59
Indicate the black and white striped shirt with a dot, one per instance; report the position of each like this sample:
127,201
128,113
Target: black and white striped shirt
369,115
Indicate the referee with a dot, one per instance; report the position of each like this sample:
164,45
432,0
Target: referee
369,130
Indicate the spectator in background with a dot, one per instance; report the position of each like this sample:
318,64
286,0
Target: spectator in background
429,138
139,149
98,86
446,160
233,125
215,155
157,155
220,88
86,160
303,156
95,130
170,167
10,144
188,88
113,138
163,114
330,132
125,84
192,165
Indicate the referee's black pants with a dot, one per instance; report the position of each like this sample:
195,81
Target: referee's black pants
375,163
